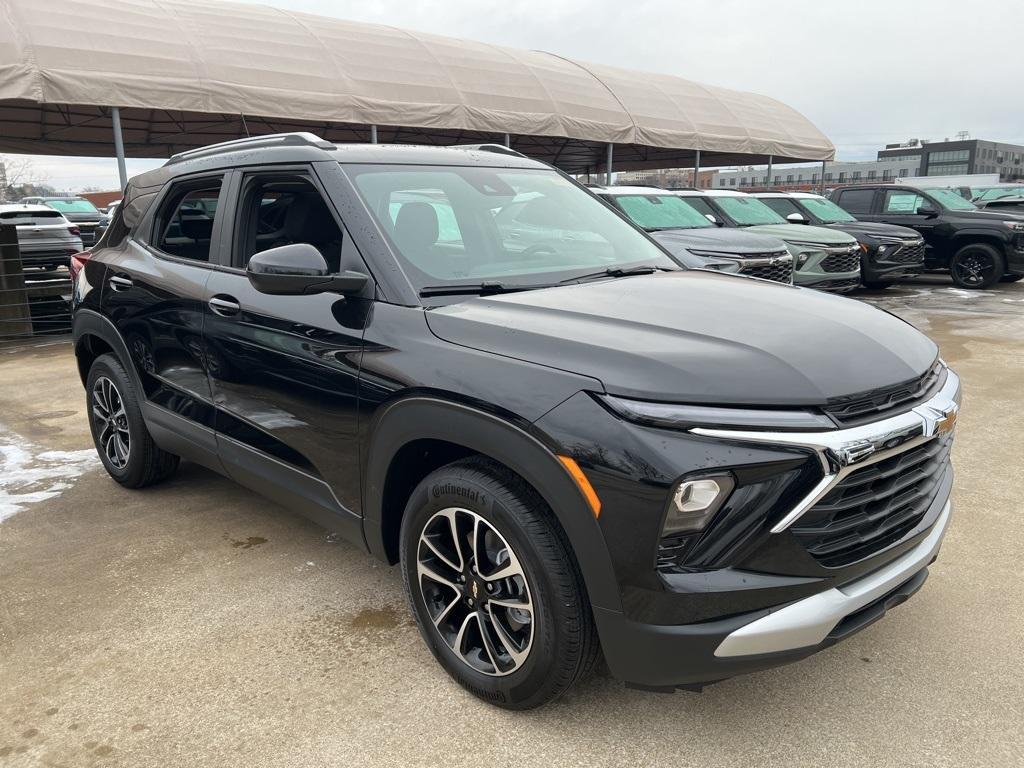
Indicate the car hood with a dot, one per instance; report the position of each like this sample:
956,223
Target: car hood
987,216
875,229
803,233
696,337
719,240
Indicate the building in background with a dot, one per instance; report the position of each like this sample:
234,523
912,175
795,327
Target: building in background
807,178
666,178
960,156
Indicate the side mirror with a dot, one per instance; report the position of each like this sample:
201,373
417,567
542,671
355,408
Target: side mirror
712,219
796,218
926,210
298,269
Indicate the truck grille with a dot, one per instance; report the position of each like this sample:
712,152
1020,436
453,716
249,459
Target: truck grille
912,253
780,272
847,261
874,507
850,411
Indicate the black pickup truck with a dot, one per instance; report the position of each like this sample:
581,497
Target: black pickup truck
979,248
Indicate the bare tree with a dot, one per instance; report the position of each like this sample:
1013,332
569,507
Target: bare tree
18,174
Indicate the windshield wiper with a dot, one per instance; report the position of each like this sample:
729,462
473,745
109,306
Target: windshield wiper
643,269
476,289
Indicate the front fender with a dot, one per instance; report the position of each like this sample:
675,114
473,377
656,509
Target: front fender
417,418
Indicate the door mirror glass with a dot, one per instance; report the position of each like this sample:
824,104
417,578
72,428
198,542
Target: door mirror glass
926,209
298,269
796,218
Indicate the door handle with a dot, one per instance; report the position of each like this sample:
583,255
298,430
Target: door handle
120,283
225,305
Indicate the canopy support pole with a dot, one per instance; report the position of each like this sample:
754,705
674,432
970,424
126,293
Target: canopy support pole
373,134
608,166
122,171
768,183
508,141
823,164
696,171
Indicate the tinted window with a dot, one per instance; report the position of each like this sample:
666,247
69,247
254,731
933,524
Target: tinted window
781,205
661,212
72,205
184,224
702,206
748,211
856,200
279,210
899,201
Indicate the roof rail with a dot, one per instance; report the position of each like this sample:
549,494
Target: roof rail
498,149
297,139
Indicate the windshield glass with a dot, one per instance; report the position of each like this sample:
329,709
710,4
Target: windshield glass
947,198
827,211
747,211
995,193
72,205
661,212
520,227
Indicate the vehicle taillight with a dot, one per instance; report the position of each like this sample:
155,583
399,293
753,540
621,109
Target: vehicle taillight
78,263
74,231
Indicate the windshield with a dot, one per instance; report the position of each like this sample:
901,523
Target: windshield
995,193
825,210
519,227
72,205
747,211
947,198
661,212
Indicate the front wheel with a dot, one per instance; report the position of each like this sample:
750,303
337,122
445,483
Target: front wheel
493,586
976,266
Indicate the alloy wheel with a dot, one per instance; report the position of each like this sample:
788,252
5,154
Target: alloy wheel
111,421
475,591
971,269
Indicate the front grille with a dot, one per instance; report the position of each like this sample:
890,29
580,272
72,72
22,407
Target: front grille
848,261
874,507
909,254
781,272
855,409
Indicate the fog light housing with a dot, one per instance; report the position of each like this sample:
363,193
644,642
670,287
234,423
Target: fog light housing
802,259
695,501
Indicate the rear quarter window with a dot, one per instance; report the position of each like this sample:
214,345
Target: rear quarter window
856,200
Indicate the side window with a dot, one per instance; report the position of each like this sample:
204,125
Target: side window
781,206
284,209
184,223
856,200
897,201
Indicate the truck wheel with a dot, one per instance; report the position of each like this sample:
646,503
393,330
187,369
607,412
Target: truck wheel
115,418
1010,278
494,588
976,266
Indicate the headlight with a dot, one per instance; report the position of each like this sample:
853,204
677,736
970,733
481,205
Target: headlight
695,502
1016,226
678,416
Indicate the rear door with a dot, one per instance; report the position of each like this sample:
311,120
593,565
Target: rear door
858,202
154,292
284,369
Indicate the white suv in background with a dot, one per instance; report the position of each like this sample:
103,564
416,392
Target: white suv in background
45,238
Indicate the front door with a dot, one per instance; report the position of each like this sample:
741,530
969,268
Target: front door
284,369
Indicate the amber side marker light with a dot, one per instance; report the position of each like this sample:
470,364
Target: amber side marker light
583,484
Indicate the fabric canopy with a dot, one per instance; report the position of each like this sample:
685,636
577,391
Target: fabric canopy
186,73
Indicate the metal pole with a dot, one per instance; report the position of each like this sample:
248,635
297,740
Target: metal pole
823,164
508,140
769,182
115,116
696,171
373,134
608,167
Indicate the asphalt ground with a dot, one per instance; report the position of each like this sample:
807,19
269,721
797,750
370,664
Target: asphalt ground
196,624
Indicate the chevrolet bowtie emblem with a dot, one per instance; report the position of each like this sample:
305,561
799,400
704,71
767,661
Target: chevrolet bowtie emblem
476,589
946,424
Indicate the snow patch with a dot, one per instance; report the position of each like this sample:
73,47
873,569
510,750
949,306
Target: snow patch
30,474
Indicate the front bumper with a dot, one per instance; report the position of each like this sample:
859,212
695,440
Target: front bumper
905,261
827,268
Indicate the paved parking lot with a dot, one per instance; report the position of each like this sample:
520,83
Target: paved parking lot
196,624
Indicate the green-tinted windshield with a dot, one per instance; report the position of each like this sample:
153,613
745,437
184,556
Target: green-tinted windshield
72,205
995,193
661,212
826,211
947,198
519,227
747,211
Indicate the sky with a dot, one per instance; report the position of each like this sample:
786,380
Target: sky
866,73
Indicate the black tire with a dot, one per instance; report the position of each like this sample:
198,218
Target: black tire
143,463
976,266
563,645
876,285
1011,278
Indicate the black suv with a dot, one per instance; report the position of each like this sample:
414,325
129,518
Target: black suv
888,253
979,248
570,451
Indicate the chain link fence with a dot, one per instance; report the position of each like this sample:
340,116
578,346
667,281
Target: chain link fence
35,303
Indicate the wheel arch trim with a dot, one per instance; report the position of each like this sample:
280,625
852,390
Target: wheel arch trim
88,322
416,418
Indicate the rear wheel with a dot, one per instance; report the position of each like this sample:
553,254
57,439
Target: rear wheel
115,418
494,587
976,266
